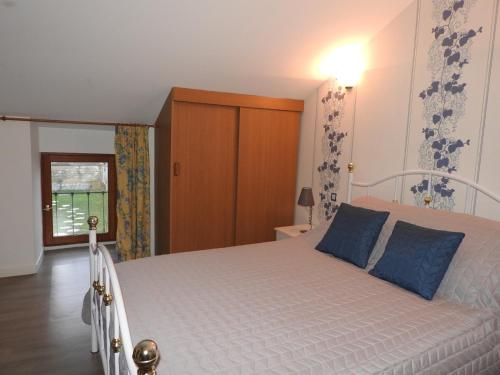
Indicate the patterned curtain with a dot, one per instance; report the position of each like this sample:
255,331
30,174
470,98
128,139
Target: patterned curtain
132,198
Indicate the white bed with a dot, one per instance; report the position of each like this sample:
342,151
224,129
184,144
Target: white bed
281,308
285,308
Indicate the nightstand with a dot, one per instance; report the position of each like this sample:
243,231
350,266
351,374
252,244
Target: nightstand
283,233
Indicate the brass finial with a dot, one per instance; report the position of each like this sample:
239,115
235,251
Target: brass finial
93,221
116,345
146,356
100,289
107,299
427,200
350,167
95,284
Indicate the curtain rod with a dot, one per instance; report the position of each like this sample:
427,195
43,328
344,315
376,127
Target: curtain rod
77,122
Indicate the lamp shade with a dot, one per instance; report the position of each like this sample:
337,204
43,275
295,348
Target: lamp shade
306,197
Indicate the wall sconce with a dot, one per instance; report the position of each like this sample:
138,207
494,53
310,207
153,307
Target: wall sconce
346,64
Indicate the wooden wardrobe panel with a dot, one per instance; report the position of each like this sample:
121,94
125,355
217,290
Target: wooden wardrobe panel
162,178
204,155
236,100
267,169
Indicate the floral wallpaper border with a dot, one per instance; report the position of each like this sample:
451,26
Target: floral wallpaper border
444,100
332,139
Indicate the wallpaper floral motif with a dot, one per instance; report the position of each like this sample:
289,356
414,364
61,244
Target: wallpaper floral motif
331,148
444,100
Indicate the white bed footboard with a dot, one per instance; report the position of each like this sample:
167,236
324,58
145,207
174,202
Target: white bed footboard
110,335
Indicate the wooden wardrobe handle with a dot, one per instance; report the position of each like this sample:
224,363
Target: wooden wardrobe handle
177,169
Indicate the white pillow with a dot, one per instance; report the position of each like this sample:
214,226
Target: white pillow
473,276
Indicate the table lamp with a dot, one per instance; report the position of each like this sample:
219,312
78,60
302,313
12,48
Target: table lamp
306,199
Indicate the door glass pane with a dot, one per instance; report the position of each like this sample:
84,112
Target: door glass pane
79,190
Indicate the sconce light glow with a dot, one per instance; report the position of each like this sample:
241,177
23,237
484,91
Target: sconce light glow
346,64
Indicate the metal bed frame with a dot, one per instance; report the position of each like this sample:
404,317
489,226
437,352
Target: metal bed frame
470,185
108,309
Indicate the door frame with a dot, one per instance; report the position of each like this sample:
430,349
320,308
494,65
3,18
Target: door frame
46,186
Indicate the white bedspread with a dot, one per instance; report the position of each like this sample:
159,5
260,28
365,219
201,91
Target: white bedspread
284,308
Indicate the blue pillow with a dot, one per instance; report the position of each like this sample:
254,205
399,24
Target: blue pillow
353,234
416,258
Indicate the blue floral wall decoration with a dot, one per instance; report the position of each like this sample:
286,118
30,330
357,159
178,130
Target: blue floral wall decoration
444,99
331,148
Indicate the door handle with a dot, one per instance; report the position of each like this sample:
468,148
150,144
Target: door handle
47,208
177,169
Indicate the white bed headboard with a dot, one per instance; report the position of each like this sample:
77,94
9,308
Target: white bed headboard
471,186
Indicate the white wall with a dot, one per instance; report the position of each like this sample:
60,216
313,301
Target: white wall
20,209
91,139
37,195
306,153
489,155
77,139
382,106
390,114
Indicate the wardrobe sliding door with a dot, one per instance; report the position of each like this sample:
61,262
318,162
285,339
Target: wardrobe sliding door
267,167
203,176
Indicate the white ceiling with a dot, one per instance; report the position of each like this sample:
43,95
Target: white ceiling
116,60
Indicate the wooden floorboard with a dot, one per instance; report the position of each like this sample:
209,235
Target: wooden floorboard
41,330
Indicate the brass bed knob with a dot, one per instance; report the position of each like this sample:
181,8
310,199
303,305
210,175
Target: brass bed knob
100,289
93,221
107,299
427,200
116,345
146,356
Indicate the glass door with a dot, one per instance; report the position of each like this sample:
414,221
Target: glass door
74,187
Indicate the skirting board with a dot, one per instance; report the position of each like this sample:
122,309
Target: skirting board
75,245
79,245
21,270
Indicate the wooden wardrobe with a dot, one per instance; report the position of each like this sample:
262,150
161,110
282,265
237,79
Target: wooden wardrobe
226,169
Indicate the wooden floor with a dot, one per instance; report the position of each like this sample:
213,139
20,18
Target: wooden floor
41,331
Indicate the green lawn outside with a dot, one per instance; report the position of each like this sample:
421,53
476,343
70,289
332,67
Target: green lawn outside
69,216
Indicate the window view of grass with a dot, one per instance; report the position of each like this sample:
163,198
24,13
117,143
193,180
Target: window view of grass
79,190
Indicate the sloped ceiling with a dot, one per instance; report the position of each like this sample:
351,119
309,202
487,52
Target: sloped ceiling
116,60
